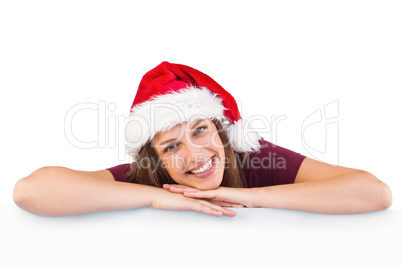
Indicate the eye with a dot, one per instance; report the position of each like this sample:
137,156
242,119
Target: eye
198,130
170,147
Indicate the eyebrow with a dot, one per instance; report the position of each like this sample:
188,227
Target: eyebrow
195,124
167,141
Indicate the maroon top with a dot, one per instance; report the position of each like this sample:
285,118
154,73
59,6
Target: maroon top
273,165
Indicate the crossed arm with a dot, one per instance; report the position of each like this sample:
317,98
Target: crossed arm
319,187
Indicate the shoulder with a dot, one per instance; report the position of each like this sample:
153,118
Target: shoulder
58,171
271,165
276,156
120,172
312,170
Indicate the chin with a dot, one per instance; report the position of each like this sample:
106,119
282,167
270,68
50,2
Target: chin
207,187
211,184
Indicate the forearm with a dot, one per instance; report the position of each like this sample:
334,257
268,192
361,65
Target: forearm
356,192
61,191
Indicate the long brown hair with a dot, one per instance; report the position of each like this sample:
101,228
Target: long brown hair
151,171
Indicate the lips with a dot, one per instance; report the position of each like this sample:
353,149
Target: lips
202,167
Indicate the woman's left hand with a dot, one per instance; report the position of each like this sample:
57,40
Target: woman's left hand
222,196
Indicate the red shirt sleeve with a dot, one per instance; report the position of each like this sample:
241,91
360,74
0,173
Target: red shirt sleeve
273,165
119,172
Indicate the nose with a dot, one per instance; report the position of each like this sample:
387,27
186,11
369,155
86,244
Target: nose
192,155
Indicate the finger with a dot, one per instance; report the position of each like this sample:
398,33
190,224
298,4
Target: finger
224,211
177,188
201,194
204,208
227,204
167,186
208,210
181,190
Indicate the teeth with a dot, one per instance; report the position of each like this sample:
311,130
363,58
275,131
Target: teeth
206,167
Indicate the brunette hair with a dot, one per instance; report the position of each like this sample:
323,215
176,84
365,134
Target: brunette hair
149,170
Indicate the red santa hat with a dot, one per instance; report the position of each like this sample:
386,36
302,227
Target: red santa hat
172,94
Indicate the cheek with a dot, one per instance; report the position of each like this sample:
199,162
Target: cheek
166,163
211,140
173,166
217,141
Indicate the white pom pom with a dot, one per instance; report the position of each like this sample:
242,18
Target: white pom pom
243,138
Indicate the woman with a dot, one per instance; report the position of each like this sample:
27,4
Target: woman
191,150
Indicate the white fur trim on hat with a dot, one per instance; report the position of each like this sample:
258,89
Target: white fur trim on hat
163,112
242,137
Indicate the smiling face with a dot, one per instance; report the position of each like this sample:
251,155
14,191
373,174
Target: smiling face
192,153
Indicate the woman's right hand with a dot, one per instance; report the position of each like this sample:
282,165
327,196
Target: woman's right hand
165,199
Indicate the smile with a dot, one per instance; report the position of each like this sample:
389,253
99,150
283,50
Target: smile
204,168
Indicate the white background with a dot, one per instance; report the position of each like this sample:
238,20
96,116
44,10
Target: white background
283,58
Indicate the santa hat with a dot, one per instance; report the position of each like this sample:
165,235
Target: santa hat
172,94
